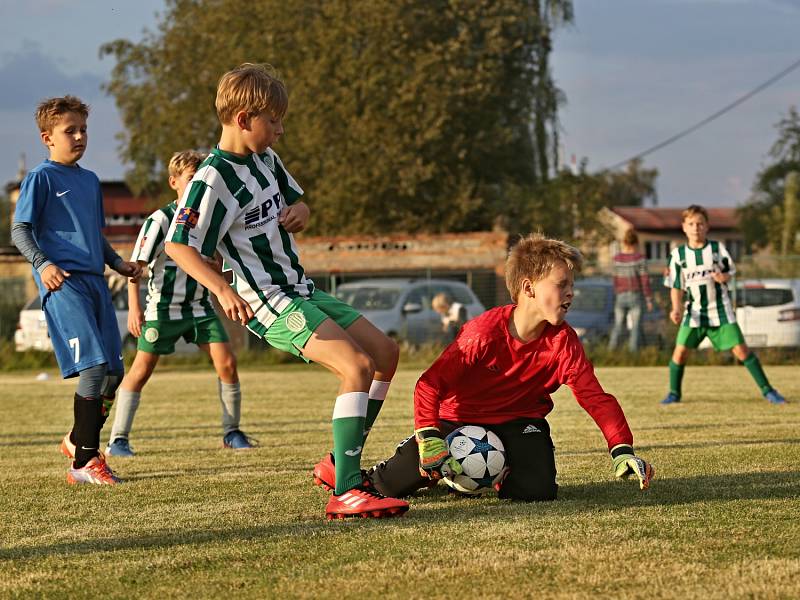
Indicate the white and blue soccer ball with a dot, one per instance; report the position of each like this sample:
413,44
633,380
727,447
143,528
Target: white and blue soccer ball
482,456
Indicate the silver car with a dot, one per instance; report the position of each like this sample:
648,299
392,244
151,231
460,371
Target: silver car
401,308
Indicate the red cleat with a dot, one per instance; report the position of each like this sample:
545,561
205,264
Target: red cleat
325,473
363,501
96,471
67,447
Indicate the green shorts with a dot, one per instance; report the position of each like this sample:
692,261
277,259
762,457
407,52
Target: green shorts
293,328
723,337
159,337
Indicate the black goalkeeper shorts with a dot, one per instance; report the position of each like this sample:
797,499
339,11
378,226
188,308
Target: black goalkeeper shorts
529,455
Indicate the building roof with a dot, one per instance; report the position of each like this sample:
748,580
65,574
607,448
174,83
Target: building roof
119,200
669,219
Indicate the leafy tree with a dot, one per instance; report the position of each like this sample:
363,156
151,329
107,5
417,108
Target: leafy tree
631,187
404,115
764,214
567,206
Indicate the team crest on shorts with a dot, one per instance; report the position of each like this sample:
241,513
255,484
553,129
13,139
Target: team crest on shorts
151,335
295,321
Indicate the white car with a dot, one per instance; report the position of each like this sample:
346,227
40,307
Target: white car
768,312
401,308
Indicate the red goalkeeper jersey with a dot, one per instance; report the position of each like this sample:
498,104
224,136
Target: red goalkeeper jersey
486,376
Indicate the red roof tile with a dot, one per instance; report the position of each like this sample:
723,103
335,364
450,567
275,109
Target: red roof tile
658,219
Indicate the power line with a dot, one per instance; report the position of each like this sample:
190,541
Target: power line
712,117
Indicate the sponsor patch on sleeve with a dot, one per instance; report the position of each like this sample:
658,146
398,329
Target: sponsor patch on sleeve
188,216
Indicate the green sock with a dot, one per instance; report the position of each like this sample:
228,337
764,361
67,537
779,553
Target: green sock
754,367
348,438
675,377
377,394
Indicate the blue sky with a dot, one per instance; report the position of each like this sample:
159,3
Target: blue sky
634,72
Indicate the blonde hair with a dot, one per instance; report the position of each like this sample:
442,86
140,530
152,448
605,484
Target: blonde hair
51,110
253,88
186,159
694,209
441,301
534,256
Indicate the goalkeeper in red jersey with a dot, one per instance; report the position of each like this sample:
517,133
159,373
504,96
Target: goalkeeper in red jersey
499,373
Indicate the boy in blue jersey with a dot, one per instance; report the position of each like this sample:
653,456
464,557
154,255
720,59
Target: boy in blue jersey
58,227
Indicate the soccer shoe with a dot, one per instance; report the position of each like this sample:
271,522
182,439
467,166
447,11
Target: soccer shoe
67,447
236,440
325,473
120,447
365,502
774,397
96,471
672,398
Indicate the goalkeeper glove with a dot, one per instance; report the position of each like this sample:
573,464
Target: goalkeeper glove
435,461
627,464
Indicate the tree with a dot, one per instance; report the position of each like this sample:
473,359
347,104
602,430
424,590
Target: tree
568,205
790,213
404,115
763,216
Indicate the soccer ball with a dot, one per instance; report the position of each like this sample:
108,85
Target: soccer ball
482,455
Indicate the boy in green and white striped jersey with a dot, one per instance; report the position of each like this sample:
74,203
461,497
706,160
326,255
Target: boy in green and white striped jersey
242,203
699,272
177,306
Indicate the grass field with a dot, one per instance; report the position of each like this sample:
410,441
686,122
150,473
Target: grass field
193,520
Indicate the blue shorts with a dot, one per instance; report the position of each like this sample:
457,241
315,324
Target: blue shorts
83,326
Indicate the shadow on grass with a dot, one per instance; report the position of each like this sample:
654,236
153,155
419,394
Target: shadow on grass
439,507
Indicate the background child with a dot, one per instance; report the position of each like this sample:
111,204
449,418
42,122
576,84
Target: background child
58,227
631,290
499,373
243,203
454,315
177,306
702,269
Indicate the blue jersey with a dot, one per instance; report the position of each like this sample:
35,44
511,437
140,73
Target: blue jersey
65,206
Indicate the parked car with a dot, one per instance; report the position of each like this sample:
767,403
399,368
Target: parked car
401,308
592,313
768,312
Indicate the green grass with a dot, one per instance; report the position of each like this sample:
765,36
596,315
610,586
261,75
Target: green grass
193,520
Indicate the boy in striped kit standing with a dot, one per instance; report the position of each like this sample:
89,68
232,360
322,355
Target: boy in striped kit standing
699,272
243,203
177,307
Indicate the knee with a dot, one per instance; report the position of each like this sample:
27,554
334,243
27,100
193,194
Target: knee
361,368
226,368
390,354
679,355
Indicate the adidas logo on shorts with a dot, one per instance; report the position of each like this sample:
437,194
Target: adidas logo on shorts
531,429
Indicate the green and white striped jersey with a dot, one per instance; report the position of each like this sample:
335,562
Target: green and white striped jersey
171,293
232,205
708,303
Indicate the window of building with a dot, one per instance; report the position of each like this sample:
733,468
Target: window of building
657,249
